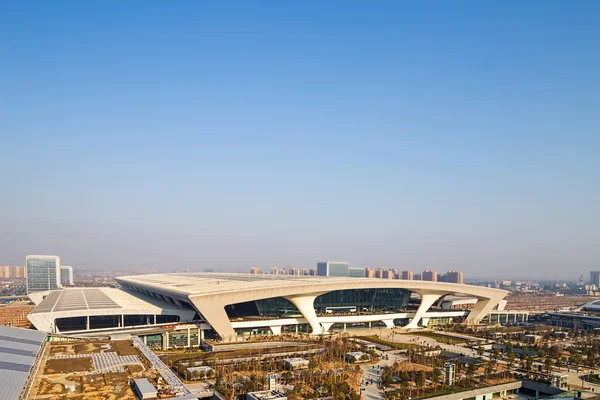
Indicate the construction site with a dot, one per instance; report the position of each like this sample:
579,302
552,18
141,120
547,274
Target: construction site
100,369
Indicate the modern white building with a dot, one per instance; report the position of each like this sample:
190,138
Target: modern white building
226,306
66,275
43,273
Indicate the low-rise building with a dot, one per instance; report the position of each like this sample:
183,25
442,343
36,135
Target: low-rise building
144,389
295,363
266,395
357,357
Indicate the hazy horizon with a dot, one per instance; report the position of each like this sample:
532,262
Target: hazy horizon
193,135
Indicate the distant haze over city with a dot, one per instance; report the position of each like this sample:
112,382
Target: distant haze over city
401,135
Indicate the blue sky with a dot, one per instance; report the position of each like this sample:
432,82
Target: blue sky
436,135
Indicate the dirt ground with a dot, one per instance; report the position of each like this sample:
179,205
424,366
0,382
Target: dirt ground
408,366
66,365
87,347
92,347
92,383
48,387
125,348
134,369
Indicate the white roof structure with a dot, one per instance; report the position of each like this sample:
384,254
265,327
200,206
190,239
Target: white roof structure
209,293
591,306
76,302
19,350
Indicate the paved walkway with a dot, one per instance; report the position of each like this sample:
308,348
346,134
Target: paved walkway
372,373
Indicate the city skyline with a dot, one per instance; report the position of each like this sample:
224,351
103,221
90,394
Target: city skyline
202,136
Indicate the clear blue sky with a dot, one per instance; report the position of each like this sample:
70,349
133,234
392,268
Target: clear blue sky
150,134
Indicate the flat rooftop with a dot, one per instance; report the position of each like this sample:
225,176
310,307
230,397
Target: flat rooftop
18,352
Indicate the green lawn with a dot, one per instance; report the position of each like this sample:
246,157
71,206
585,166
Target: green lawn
439,337
394,345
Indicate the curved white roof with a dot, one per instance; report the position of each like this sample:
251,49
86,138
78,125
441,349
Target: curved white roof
209,293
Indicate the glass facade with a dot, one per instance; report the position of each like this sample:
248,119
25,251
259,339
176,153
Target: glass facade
43,273
356,272
365,300
333,269
66,275
359,300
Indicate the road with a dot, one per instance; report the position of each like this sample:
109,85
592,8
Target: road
371,372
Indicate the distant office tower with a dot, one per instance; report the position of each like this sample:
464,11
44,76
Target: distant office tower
388,274
369,272
333,268
43,273
66,275
255,271
430,275
454,277
417,277
312,272
407,275
356,272
379,273
7,272
595,278
450,374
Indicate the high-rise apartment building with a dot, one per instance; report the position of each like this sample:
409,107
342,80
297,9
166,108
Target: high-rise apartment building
19,271
43,273
254,271
369,273
454,277
388,274
66,275
407,275
429,275
417,277
595,278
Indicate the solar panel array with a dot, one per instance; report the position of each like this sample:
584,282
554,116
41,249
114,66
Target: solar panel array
18,351
75,299
96,299
48,303
70,300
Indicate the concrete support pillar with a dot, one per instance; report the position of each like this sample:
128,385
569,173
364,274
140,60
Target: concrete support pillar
122,321
201,333
424,321
345,326
145,339
276,330
305,304
87,323
167,344
326,326
389,323
482,308
164,341
154,319
370,325
427,300
189,337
